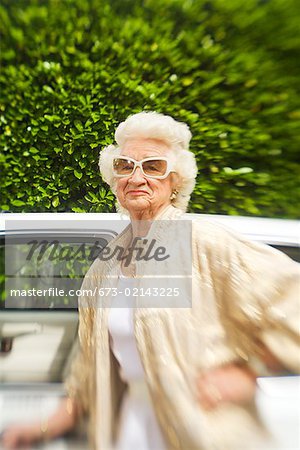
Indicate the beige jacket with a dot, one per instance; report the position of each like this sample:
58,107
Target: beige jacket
241,292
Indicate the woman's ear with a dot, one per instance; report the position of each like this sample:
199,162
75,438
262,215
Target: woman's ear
175,180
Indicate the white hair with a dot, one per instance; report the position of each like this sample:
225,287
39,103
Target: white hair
153,125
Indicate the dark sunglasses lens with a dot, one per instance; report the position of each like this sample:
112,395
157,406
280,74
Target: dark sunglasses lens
122,166
155,167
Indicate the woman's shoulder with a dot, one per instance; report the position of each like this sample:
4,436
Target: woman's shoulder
220,240
205,229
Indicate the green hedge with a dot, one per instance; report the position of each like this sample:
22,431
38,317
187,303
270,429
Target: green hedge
73,69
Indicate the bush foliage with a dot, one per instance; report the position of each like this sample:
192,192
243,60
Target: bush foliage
71,70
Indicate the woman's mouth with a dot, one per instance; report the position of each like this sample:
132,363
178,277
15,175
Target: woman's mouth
137,192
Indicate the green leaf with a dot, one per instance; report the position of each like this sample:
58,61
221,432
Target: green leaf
53,118
244,170
88,123
78,125
48,89
18,203
78,210
77,174
55,202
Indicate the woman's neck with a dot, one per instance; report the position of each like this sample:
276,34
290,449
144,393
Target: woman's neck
141,221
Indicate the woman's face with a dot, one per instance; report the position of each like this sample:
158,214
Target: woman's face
137,193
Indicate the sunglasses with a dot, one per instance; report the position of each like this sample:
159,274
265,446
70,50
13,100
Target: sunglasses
154,167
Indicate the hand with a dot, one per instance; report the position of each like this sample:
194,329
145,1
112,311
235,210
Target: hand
231,383
17,436
60,422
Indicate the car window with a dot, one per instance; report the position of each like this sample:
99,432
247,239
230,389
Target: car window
45,271
292,251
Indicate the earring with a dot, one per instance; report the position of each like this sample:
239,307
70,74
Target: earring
174,194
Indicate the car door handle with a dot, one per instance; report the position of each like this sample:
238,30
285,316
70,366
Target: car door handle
6,342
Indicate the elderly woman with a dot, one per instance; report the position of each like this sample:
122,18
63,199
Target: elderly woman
154,376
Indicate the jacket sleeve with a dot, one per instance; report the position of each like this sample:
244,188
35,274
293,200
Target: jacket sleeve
258,289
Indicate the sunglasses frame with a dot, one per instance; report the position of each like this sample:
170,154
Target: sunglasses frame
139,164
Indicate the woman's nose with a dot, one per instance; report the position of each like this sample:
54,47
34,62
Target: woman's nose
137,176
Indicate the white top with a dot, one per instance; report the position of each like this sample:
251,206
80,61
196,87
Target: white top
121,328
138,425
